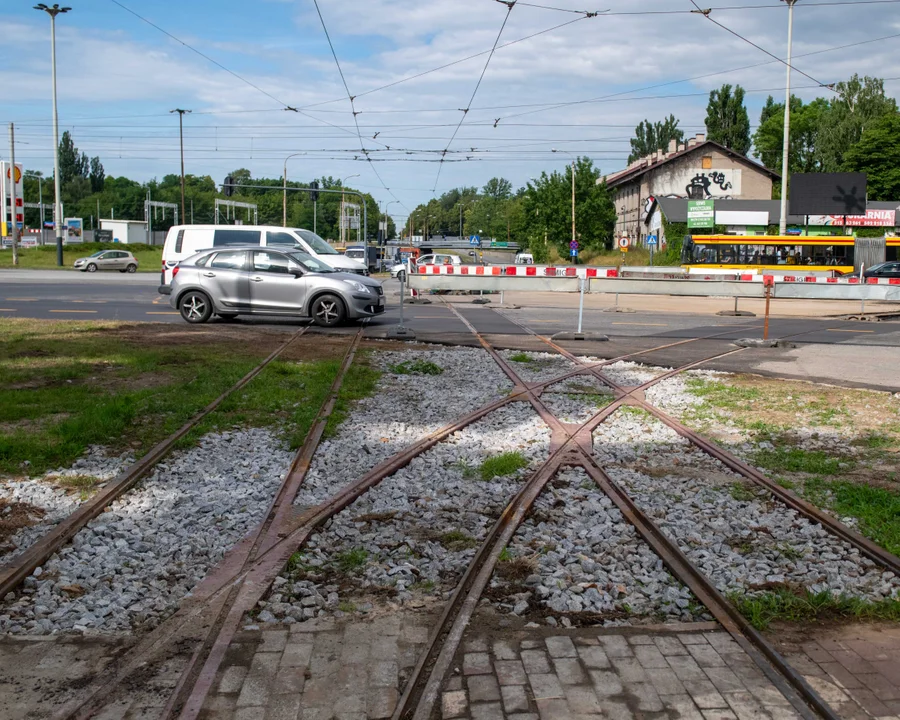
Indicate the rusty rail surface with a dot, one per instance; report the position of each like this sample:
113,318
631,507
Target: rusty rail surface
22,565
423,688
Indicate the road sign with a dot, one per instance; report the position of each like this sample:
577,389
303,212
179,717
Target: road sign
474,241
573,245
623,243
651,239
701,214
574,252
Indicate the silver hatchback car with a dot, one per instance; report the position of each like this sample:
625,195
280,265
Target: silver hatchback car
120,260
231,281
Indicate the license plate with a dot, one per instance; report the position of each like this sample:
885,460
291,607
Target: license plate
381,302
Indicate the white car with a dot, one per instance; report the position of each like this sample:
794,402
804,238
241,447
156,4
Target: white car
433,259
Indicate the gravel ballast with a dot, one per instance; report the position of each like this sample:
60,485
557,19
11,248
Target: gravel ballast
737,534
130,567
412,536
576,558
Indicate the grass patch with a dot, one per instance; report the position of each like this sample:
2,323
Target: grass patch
500,465
803,606
417,367
149,257
720,395
468,472
875,441
791,459
521,358
360,382
352,560
876,509
742,492
347,606
457,540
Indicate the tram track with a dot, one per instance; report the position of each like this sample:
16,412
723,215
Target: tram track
213,613
422,692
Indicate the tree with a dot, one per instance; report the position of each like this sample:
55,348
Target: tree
768,140
97,175
727,122
857,104
497,188
650,137
878,155
71,164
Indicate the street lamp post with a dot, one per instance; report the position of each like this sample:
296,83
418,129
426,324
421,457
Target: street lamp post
57,210
782,222
573,193
181,143
343,180
284,186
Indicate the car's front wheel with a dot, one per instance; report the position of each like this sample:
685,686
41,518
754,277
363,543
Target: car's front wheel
91,267
195,307
401,276
328,311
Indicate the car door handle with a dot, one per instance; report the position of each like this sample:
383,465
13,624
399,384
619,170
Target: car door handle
256,279
209,274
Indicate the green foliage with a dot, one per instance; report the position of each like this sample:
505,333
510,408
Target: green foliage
351,559
856,104
520,358
803,606
650,137
878,155
742,492
792,459
457,540
501,465
727,122
416,367
505,555
359,382
769,136
877,509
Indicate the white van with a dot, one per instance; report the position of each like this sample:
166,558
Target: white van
524,258
182,241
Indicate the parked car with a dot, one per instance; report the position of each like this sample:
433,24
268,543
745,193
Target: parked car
253,280
883,270
120,260
182,241
433,259
524,258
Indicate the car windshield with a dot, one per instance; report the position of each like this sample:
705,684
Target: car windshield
310,263
319,246
98,253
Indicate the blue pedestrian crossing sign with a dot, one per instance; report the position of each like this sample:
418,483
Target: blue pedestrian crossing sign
475,241
651,239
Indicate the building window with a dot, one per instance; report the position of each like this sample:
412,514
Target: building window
707,162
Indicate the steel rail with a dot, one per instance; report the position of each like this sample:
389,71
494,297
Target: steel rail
192,682
13,572
421,693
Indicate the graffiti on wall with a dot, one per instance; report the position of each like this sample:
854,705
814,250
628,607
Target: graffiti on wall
698,184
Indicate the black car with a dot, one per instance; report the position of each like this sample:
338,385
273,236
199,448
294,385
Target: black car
883,270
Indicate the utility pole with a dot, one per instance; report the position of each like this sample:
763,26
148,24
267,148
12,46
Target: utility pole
573,193
57,208
284,195
782,222
181,142
12,193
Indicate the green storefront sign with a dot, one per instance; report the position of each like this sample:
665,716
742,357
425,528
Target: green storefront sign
701,214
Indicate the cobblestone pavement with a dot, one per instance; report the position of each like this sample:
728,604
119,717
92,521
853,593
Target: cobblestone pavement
856,668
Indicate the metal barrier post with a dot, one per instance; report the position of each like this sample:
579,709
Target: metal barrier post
768,299
400,332
580,306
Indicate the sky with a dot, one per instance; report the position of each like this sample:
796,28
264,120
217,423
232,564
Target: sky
262,82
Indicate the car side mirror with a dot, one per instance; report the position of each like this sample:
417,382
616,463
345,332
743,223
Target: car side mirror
296,272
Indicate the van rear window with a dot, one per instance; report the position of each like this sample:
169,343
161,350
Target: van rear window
229,236
179,241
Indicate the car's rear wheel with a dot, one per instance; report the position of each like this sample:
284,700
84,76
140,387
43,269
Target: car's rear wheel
91,267
195,307
328,311
131,268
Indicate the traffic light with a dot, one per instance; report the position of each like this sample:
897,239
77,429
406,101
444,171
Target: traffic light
314,194
228,186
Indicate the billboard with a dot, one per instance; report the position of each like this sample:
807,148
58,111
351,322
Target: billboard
74,230
701,214
872,218
828,194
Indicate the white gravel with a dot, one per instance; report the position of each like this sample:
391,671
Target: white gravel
584,558
631,373
737,534
539,366
575,408
398,531
132,565
403,410
57,502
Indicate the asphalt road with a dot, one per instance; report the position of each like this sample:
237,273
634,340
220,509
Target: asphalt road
113,296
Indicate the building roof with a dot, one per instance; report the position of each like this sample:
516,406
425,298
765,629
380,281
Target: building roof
652,162
675,209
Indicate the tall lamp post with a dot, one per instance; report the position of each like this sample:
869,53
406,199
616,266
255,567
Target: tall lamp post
573,192
181,144
782,222
57,210
284,198
343,180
